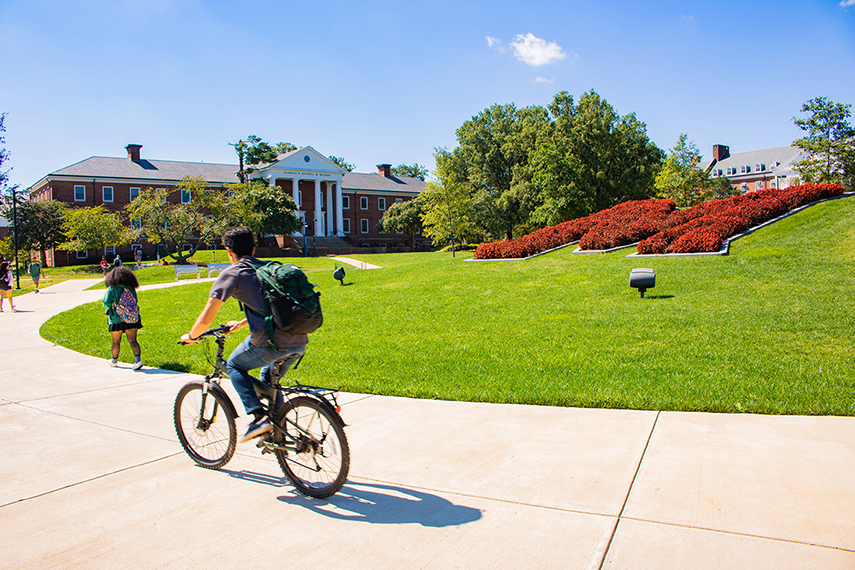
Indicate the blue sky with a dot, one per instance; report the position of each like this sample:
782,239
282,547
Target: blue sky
387,82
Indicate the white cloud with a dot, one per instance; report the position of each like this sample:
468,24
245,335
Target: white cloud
544,80
845,3
495,43
535,51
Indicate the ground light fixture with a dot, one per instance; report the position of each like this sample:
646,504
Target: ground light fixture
642,279
339,274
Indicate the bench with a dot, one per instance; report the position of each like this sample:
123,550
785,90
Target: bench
216,267
188,269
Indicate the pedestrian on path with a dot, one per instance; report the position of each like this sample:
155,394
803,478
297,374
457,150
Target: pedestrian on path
6,285
138,257
36,273
123,312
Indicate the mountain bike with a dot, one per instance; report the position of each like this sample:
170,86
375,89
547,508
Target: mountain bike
308,432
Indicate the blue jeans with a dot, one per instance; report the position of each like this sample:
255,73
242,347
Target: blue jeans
248,357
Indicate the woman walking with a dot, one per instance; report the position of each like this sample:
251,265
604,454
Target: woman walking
36,273
123,313
6,285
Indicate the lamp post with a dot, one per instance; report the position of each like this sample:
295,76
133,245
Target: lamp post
15,237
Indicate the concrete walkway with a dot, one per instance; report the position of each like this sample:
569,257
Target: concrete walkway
92,476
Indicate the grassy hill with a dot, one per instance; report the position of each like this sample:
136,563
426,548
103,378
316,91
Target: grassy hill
767,329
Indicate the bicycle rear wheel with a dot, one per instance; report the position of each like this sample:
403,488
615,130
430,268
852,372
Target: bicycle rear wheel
318,457
207,439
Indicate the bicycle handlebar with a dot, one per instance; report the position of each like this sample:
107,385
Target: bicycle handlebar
217,331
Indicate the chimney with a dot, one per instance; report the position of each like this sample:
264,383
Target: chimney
384,170
133,152
720,152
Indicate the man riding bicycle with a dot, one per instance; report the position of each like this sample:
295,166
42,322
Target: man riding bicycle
240,281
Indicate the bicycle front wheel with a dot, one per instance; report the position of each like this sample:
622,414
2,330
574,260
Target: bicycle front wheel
317,458
205,426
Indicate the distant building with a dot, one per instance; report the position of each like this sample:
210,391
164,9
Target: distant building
332,202
755,169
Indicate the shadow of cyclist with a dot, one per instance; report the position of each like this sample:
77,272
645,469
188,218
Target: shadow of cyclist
387,504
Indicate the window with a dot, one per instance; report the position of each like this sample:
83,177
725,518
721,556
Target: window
399,200
363,225
107,193
135,193
745,169
744,187
345,225
299,198
185,196
345,202
80,196
758,185
81,254
110,251
136,223
381,204
363,202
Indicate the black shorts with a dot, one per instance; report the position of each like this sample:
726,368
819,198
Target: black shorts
124,326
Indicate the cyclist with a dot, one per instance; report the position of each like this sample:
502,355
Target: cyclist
239,281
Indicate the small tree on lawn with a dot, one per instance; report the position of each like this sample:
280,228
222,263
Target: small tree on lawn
40,226
406,218
94,228
172,223
680,178
446,205
830,143
264,209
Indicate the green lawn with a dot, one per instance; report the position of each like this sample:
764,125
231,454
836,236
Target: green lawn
767,329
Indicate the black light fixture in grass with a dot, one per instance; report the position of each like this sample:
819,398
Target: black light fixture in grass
339,274
642,279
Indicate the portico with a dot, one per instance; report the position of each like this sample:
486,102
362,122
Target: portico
314,182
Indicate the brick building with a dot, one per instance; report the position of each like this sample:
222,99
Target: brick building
755,169
332,202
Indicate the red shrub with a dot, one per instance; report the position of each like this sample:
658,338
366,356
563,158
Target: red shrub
696,241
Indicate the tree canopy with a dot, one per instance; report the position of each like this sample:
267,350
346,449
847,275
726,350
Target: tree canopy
39,226
405,218
447,209
260,207
341,163
94,228
414,170
830,143
681,179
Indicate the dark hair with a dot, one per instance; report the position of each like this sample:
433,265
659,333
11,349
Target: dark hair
121,276
4,266
239,240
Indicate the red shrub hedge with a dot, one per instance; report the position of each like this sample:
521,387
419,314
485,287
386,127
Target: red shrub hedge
660,228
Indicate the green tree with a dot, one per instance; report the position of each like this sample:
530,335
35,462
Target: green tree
414,170
593,158
264,209
446,205
342,163
94,228
404,217
681,179
721,187
255,151
830,143
40,226
170,223
491,158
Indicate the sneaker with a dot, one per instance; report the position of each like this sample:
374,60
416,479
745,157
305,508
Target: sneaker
256,429
138,365
114,363
14,310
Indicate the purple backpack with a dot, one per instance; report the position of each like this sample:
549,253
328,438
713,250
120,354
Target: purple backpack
127,308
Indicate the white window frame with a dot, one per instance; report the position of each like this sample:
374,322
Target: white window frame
345,225
104,193
744,187
131,196
345,202
299,198
363,202
381,204
109,251
82,189
189,196
399,200
364,226
758,185
82,254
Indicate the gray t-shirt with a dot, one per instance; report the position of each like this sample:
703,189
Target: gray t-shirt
239,281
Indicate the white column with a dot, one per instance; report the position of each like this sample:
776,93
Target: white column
339,213
317,206
295,193
329,227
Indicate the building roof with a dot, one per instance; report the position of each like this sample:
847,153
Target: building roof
378,183
776,160
155,170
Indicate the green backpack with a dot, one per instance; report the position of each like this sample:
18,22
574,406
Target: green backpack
291,302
